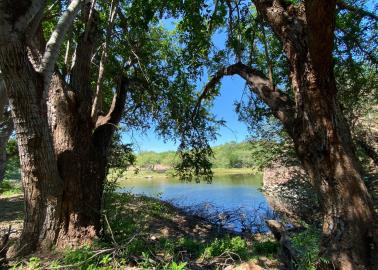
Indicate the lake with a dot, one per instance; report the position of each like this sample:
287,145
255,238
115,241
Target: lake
238,196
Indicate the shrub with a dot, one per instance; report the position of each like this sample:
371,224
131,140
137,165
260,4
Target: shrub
265,248
235,245
9,188
307,244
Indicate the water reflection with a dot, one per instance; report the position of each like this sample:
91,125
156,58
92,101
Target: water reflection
226,193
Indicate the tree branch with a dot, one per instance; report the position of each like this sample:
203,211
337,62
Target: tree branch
53,45
359,11
97,101
23,22
116,109
278,102
82,65
288,22
287,253
210,27
113,117
106,125
267,56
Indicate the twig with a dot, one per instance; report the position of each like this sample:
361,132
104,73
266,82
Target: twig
97,253
110,229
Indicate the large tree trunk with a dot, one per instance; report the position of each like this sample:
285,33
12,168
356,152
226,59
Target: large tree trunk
314,121
62,152
41,181
63,170
81,166
63,157
81,161
320,133
324,145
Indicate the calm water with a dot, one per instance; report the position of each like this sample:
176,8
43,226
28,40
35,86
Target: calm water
225,192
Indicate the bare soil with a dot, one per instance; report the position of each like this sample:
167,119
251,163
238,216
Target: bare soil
11,214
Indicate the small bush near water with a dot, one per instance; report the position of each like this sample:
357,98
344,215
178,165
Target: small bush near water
307,245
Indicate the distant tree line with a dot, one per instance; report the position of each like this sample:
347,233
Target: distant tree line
248,154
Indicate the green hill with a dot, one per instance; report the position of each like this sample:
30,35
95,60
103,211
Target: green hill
230,155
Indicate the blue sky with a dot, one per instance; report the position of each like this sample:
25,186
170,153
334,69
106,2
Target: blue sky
231,90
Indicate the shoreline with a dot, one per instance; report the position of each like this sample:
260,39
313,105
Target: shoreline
167,232
149,174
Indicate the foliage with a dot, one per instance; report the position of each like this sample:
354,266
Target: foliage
307,245
12,169
175,266
254,154
128,240
235,246
9,188
120,155
265,247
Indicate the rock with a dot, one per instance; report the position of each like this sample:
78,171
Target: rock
289,193
247,266
287,252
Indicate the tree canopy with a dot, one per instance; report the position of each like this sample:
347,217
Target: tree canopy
74,72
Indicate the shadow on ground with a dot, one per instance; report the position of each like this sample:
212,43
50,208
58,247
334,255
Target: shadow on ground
11,213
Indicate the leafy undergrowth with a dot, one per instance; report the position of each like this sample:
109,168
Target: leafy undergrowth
10,188
307,245
146,233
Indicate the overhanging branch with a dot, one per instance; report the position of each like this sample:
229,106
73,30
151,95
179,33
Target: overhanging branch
359,11
278,102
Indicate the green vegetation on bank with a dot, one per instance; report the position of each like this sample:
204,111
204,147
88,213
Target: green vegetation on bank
148,173
143,232
147,233
229,158
254,154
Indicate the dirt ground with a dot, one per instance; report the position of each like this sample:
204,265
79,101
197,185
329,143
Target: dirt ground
159,219
11,214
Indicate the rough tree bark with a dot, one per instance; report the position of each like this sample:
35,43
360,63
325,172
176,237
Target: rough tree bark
81,156
41,182
316,124
62,152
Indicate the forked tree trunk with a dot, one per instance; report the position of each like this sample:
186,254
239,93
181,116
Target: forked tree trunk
81,166
62,152
63,156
